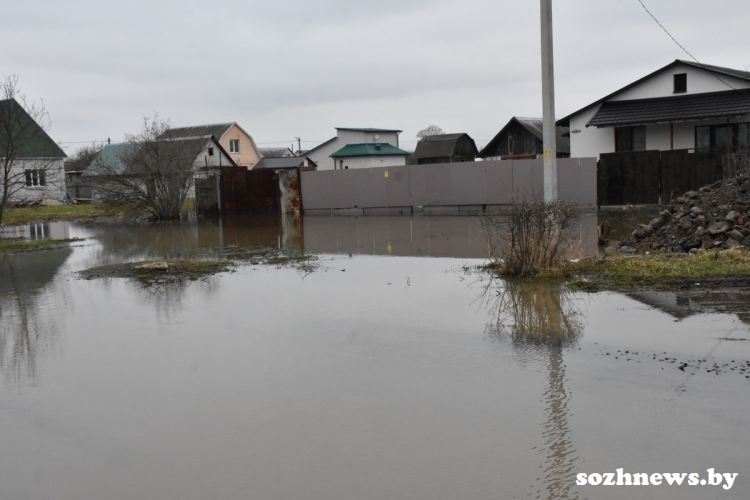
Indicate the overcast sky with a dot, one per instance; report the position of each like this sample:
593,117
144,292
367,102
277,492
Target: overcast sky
292,68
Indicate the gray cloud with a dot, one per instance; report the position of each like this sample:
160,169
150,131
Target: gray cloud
292,68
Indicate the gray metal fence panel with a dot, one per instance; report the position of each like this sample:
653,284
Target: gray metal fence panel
499,182
438,180
468,183
528,180
397,183
576,180
371,190
447,184
418,185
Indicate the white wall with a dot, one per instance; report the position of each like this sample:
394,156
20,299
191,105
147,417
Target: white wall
698,81
592,141
373,161
322,155
589,141
658,137
54,188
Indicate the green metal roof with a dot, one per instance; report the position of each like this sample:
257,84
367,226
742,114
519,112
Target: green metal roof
369,129
30,139
109,160
371,149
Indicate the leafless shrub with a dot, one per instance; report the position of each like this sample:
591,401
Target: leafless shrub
531,239
148,174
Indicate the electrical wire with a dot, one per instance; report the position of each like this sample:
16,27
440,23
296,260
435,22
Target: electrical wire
680,45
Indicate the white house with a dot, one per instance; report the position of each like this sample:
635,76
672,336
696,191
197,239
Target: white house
368,156
206,155
684,105
234,139
34,162
321,154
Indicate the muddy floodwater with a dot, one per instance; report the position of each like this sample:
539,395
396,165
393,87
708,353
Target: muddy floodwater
390,372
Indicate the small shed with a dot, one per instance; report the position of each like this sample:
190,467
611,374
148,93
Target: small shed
445,148
523,138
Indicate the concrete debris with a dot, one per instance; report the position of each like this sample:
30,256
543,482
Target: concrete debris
714,217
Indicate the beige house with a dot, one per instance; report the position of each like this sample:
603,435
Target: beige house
233,138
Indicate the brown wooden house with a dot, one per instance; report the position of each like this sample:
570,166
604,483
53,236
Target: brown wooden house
445,148
522,138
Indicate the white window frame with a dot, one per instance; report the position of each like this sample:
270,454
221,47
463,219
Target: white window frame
234,145
35,178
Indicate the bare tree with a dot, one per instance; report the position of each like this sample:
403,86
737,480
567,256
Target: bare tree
431,130
28,157
78,161
147,173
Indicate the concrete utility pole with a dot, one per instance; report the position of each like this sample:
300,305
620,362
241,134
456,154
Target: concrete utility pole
548,105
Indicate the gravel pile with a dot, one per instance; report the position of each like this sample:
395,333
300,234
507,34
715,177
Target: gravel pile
714,217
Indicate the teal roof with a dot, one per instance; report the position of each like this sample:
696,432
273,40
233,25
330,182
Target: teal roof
108,160
370,149
30,139
369,129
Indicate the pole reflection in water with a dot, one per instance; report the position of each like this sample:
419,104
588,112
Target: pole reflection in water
542,320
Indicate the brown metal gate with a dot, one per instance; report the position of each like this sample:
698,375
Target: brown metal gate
246,191
207,195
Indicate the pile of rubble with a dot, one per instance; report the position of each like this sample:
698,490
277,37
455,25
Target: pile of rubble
714,217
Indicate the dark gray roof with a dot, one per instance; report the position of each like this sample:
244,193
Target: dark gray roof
535,126
279,163
368,129
274,152
439,146
737,73
670,109
718,70
216,129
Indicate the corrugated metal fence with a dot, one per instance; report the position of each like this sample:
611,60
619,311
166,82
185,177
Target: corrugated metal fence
446,185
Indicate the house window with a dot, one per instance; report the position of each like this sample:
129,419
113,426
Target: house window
35,178
680,83
234,145
736,136
630,139
210,151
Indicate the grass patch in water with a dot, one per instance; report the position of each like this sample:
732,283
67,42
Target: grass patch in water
21,245
18,216
712,269
660,271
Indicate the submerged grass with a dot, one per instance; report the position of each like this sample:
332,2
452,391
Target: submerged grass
191,269
715,269
17,216
656,266
21,245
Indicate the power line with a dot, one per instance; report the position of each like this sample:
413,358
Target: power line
680,45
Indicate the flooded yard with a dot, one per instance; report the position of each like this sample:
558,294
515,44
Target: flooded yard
391,371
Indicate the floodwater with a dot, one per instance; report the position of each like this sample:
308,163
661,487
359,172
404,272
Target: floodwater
390,372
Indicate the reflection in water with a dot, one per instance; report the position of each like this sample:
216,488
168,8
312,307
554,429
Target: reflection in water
418,236
28,319
544,319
